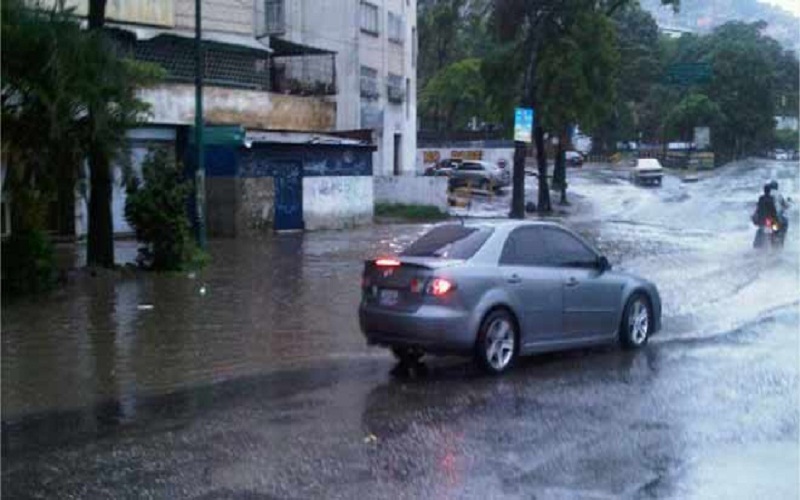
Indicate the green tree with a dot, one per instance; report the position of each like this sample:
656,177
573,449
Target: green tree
637,79
752,80
576,82
156,208
534,26
74,89
695,110
454,95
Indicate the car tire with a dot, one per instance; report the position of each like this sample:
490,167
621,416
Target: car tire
497,347
407,355
637,322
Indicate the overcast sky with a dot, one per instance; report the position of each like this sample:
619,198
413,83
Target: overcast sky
792,6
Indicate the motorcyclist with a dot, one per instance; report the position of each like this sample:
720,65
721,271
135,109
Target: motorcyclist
765,209
766,206
781,206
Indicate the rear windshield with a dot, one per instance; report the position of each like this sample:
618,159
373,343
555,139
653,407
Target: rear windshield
452,241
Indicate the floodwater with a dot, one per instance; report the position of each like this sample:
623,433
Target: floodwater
251,379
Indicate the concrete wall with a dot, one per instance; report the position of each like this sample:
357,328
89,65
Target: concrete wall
411,190
233,16
174,104
426,157
256,205
337,202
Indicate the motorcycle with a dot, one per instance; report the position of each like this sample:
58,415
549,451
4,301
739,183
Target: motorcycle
769,234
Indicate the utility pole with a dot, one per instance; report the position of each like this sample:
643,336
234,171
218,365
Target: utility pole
199,139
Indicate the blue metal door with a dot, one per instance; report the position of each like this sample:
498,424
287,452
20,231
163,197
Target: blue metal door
288,196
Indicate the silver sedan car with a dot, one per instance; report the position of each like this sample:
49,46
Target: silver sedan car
501,291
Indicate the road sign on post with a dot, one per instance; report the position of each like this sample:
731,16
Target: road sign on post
523,125
523,134
688,73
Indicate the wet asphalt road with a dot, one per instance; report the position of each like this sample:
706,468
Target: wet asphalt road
263,388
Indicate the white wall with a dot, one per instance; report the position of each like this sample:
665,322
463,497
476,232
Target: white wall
337,202
409,190
492,155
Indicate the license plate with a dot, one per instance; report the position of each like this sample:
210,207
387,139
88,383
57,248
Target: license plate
388,297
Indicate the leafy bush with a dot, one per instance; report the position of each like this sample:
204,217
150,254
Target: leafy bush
28,264
411,212
156,208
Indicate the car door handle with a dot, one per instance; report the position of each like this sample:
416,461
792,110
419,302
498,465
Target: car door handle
514,279
572,282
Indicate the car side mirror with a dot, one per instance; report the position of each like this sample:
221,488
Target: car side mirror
603,264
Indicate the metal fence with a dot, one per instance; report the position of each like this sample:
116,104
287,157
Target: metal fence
305,74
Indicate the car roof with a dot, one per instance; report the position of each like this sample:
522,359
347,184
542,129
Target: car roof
648,163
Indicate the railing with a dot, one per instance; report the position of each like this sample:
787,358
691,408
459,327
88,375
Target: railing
306,74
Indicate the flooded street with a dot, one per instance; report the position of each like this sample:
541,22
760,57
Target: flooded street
251,378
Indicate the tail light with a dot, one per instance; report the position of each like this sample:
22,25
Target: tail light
387,263
439,287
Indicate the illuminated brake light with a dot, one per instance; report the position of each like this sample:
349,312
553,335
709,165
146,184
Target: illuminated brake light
439,287
387,262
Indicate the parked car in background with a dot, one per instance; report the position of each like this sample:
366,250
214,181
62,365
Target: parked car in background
573,159
780,154
481,175
647,171
443,167
499,292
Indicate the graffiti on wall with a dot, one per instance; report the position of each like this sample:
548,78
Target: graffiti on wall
316,161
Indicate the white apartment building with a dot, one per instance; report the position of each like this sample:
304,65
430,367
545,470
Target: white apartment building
375,42
319,94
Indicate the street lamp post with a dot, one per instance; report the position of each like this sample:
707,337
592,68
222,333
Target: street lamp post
200,173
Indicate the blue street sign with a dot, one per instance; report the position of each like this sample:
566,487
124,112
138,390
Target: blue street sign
523,124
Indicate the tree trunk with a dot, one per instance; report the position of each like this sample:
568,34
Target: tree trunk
541,159
560,170
66,197
97,14
100,248
518,182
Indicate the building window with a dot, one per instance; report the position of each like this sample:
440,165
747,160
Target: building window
371,115
395,90
396,28
369,83
275,22
414,47
369,18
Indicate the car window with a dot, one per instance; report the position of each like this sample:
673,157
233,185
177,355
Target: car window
566,250
472,167
451,241
525,247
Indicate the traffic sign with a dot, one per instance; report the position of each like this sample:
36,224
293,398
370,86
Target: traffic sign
523,124
688,73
